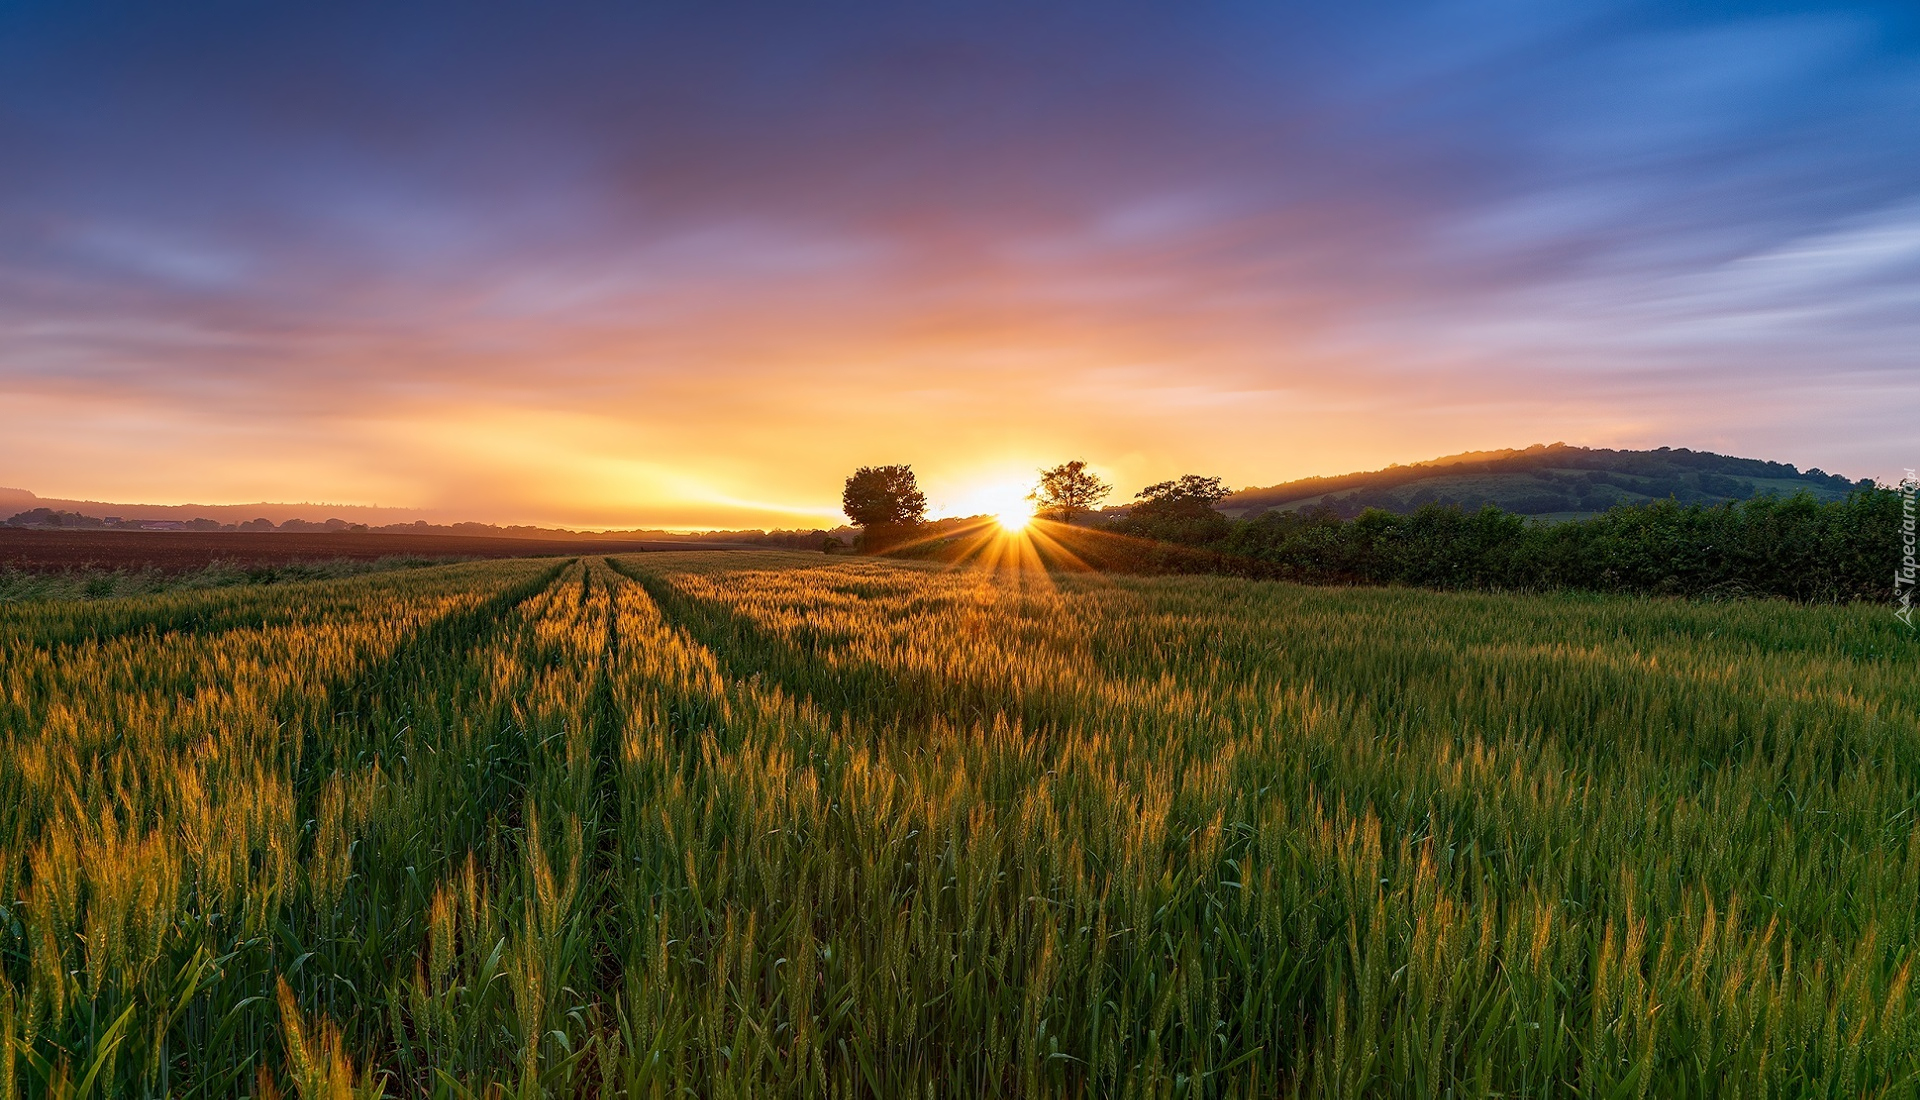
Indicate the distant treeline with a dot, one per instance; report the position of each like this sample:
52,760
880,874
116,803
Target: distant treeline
779,538
50,518
75,521
1796,548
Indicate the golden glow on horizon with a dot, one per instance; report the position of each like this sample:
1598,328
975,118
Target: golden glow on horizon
678,465
1011,506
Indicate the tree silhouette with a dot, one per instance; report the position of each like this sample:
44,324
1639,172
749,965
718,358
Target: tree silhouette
884,497
1178,511
1068,490
1190,495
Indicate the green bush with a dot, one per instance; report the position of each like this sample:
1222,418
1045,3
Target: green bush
1794,548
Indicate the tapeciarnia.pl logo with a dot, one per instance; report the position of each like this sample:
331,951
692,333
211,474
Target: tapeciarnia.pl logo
1903,577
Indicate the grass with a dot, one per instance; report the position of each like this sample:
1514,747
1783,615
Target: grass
782,824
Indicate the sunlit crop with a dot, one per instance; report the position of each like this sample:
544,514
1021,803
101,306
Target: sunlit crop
790,825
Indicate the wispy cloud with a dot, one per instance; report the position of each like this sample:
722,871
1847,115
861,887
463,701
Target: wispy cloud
665,265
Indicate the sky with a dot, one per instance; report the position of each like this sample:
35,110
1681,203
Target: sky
689,264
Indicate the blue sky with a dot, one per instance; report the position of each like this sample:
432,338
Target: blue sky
690,263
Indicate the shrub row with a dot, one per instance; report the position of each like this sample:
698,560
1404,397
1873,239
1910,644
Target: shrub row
1794,548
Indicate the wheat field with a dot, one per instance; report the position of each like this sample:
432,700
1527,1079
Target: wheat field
753,825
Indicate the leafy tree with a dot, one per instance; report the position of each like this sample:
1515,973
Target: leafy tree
1068,490
1190,495
884,496
1177,511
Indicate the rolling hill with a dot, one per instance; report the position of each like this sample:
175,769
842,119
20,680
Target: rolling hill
13,501
1551,481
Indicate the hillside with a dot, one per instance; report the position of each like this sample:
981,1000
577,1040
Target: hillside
1554,481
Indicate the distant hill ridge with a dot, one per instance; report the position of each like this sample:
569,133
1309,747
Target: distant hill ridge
44,513
1549,480
20,500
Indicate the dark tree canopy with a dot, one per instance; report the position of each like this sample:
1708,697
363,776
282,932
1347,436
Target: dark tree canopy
1177,511
1068,490
1191,495
884,496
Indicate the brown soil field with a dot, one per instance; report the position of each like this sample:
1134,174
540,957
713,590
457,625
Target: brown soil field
181,551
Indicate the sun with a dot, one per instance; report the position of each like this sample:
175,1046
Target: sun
1007,505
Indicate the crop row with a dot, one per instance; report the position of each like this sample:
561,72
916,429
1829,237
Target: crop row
773,825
